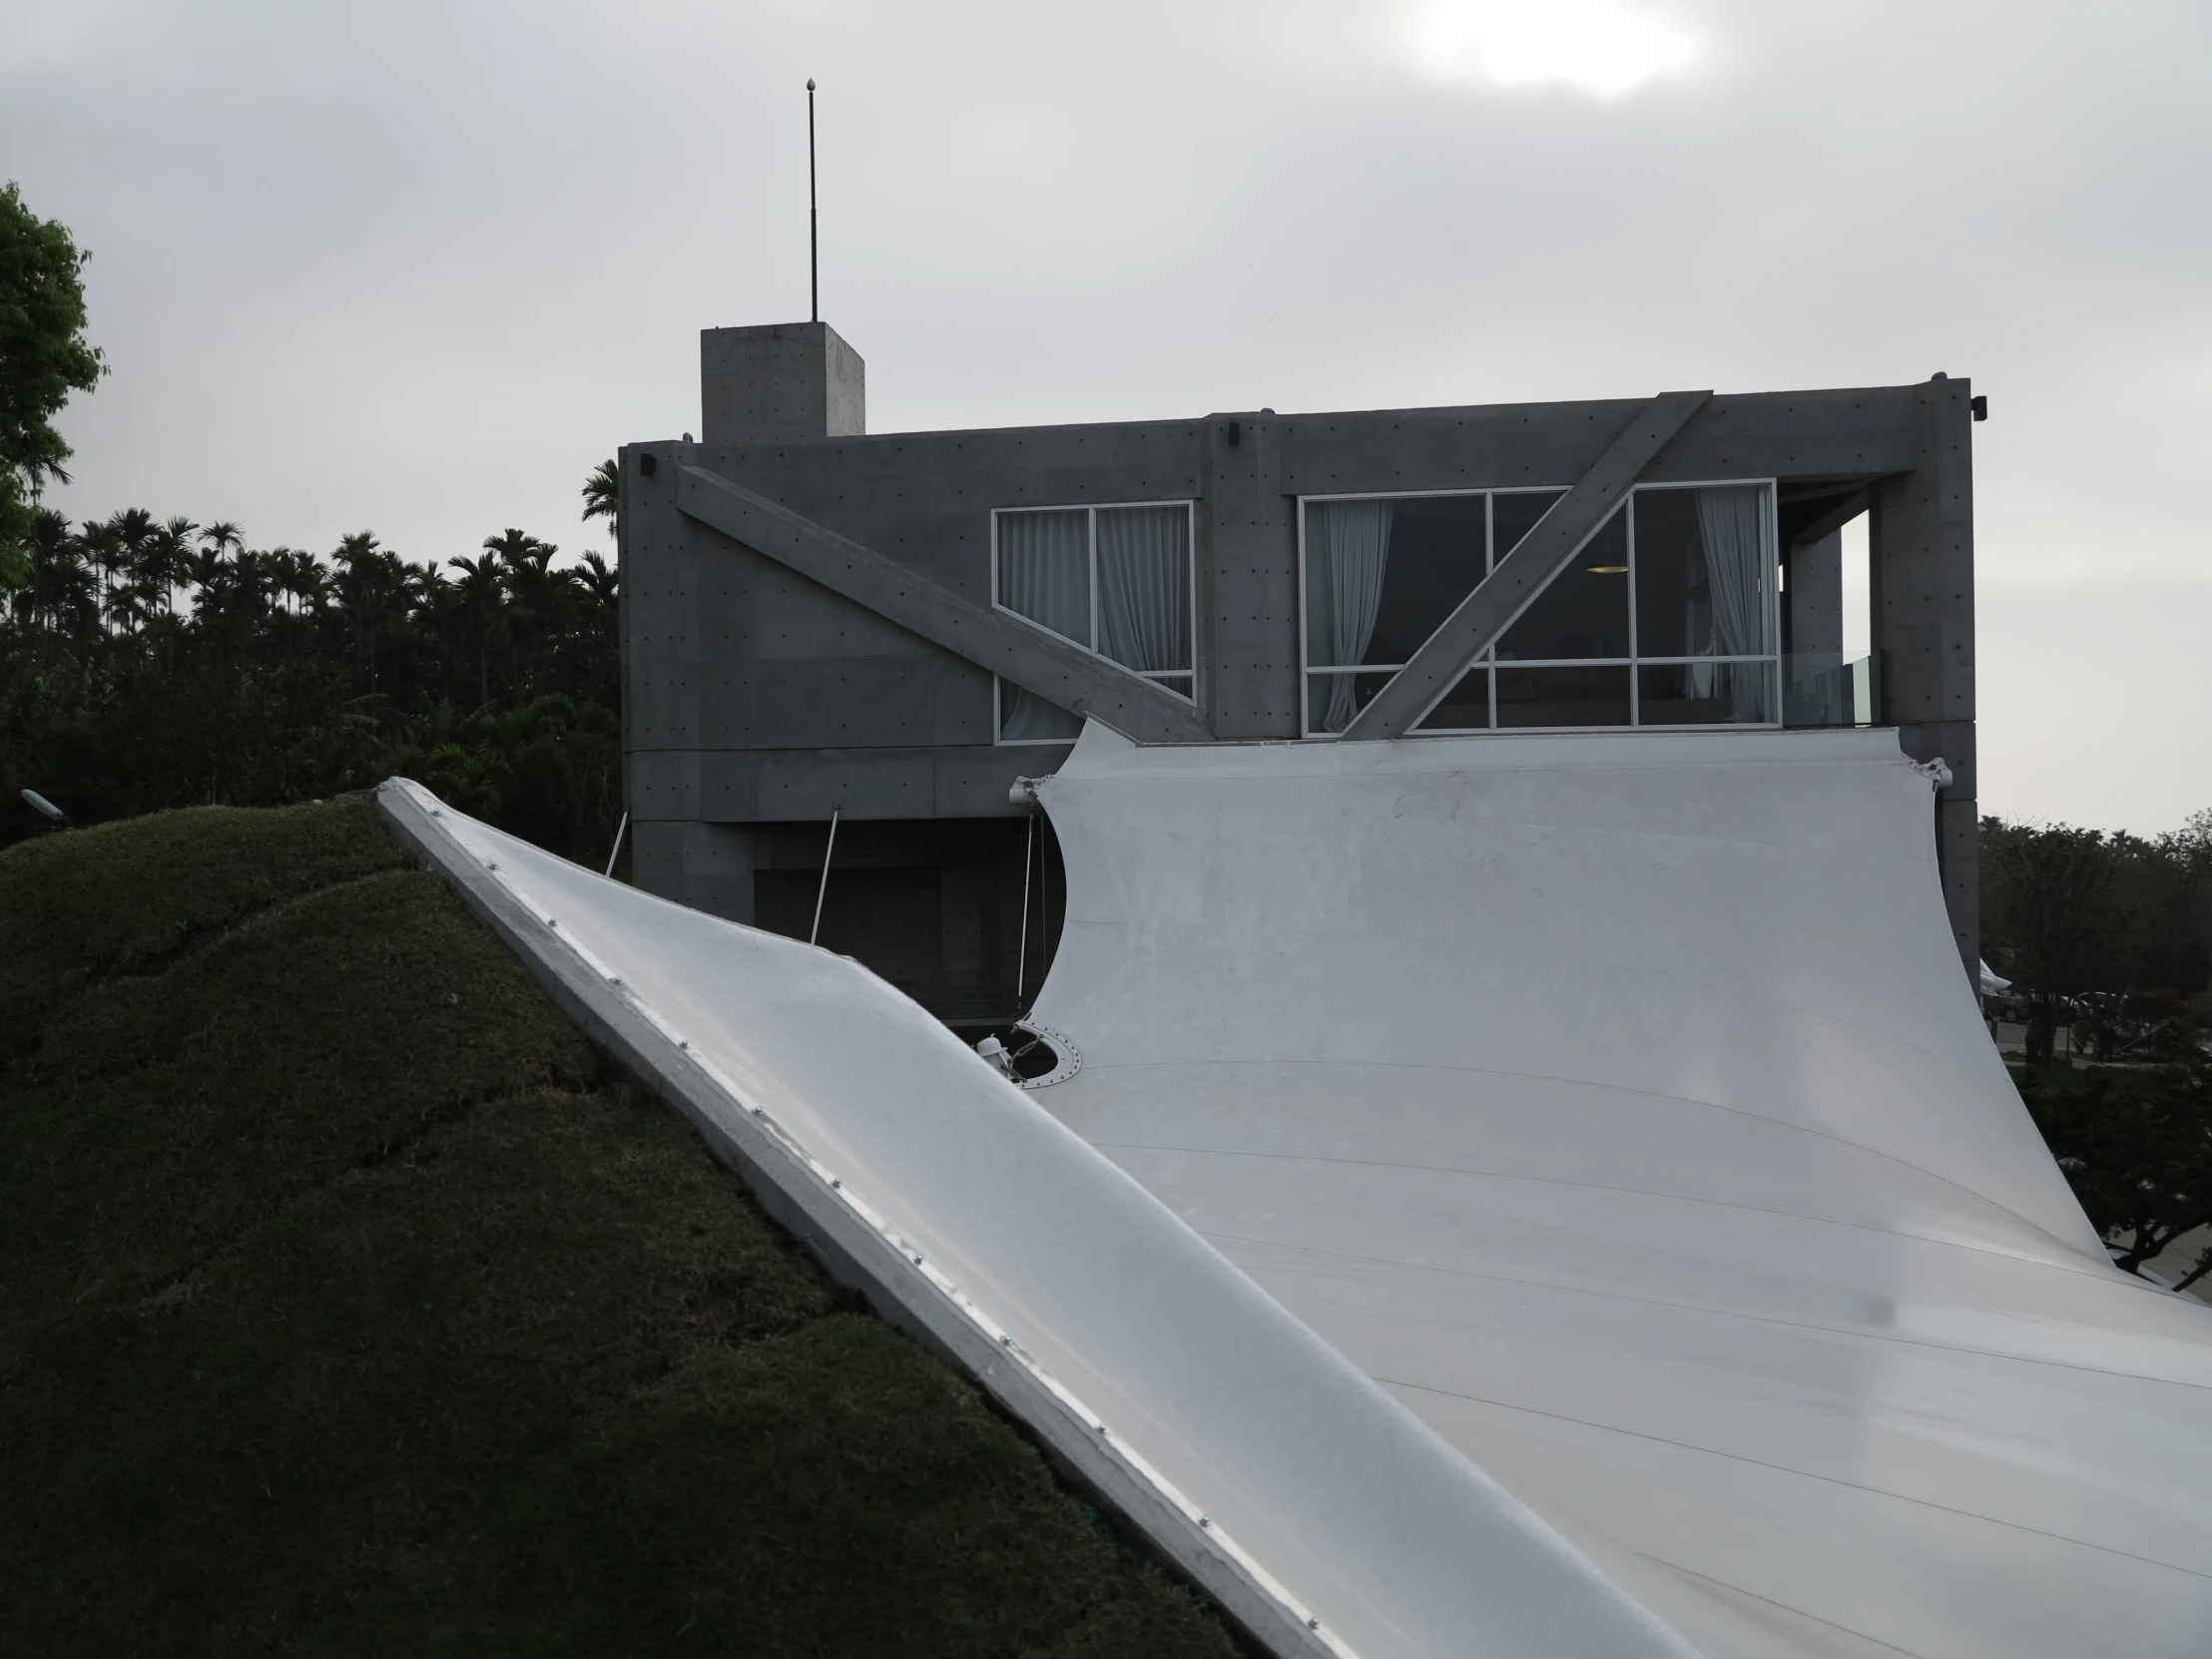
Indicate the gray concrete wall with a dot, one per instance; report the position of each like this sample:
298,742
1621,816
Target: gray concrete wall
1921,570
782,383
756,695
1814,597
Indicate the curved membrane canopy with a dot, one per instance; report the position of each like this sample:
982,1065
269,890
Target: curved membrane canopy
1620,1106
1533,1196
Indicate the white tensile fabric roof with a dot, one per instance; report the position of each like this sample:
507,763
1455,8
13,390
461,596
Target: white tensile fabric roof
1620,1105
1541,1198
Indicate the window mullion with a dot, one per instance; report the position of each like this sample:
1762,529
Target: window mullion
1635,676
1091,515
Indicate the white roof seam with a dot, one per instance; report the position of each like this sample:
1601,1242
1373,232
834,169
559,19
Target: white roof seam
1644,1192
1655,1094
1769,1601
1802,1475
1713,1310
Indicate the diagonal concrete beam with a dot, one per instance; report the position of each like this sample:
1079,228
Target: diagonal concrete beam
1031,658
1499,599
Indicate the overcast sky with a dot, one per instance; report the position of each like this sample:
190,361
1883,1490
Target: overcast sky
416,267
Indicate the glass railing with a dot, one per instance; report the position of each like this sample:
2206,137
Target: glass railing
1819,688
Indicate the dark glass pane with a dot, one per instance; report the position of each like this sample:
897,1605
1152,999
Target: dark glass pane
1144,586
1380,575
1513,516
1466,706
1024,717
1044,569
1332,699
1562,697
1704,572
1705,694
1584,612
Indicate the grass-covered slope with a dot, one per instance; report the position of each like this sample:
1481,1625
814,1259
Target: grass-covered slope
350,1305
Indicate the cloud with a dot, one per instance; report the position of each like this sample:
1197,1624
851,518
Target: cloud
1602,47
417,265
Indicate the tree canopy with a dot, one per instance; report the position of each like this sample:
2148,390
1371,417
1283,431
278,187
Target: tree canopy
153,662
2137,1150
44,356
2086,922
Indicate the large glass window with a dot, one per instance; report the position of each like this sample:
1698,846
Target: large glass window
1665,618
1380,574
1114,580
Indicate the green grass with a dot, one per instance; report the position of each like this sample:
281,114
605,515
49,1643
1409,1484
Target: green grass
350,1304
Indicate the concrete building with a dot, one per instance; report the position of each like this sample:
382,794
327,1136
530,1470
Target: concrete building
892,630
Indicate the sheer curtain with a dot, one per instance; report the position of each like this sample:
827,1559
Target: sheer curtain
1733,524
1045,570
1024,717
1348,544
1144,587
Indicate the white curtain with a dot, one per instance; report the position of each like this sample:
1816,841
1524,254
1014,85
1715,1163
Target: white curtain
1144,587
1348,546
1045,570
1023,717
1733,525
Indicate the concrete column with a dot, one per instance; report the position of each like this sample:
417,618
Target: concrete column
778,382
1815,620
1921,576
1248,582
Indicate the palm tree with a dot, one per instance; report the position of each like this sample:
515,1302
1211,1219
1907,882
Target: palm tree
103,549
167,559
600,582
603,497
364,583
62,583
536,591
483,585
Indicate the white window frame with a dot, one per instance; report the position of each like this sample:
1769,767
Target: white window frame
1308,671
1171,680
999,716
1490,660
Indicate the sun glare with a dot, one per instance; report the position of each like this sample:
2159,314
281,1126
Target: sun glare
1603,47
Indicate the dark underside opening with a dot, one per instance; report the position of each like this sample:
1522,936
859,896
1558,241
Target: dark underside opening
963,915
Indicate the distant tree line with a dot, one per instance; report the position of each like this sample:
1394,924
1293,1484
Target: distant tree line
2110,938
153,661
2108,934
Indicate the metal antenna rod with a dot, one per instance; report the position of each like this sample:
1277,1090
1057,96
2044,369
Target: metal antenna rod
822,893
814,216
616,851
1028,856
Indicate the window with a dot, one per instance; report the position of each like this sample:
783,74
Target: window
1667,617
1379,576
1116,581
